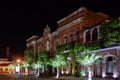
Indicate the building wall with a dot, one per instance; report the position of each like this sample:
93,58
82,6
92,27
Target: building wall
82,26
4,63
73,27
108,55
78,26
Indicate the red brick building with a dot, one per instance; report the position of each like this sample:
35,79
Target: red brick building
83,26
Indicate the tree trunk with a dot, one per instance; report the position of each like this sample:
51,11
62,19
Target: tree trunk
57,76
43,69
69,68
38,73
90,73
26,71
53,70
73,68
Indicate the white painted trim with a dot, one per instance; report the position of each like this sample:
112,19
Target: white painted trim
116,47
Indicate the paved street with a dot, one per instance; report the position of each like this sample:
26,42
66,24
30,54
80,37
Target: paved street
18,77
8,77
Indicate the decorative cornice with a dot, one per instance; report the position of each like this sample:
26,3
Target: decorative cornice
34,37
76,14
72,23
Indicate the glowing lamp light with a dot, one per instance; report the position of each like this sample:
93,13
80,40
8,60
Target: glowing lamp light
84,74
66,72
18,60
115,75
62,72
103,75
68,58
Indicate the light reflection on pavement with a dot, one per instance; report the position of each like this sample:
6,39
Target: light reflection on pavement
6,76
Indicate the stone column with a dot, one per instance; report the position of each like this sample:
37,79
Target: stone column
103,68
35,47
98,29
115,72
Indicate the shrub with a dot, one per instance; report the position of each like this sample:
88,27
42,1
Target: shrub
78,73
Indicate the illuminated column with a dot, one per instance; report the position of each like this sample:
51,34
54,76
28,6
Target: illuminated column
34,47
91,36
47,46
115,73
84,36
103,68
98,29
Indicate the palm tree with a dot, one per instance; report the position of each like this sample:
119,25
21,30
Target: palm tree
18,67
26,65
57,62
28,59
43,57
37,66
11,67
60,50
74,49
88,60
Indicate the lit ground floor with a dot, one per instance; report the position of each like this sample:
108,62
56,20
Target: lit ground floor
108,66
4,66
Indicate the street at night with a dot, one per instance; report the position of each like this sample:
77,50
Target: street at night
8,77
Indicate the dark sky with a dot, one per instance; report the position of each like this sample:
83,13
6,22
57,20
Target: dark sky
21,20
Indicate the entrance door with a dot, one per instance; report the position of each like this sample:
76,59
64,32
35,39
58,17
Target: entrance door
109,67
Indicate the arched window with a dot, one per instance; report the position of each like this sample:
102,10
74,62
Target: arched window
77,36
71,38
88,36
65,39
95,34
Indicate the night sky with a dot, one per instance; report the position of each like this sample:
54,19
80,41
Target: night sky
21,20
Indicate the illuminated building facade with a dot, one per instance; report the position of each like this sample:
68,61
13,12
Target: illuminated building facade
82,26
4,65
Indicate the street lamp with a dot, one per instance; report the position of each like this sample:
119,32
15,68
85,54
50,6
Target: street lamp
18,61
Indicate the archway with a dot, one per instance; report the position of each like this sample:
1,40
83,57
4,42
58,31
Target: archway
109,65
88,36
95,34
